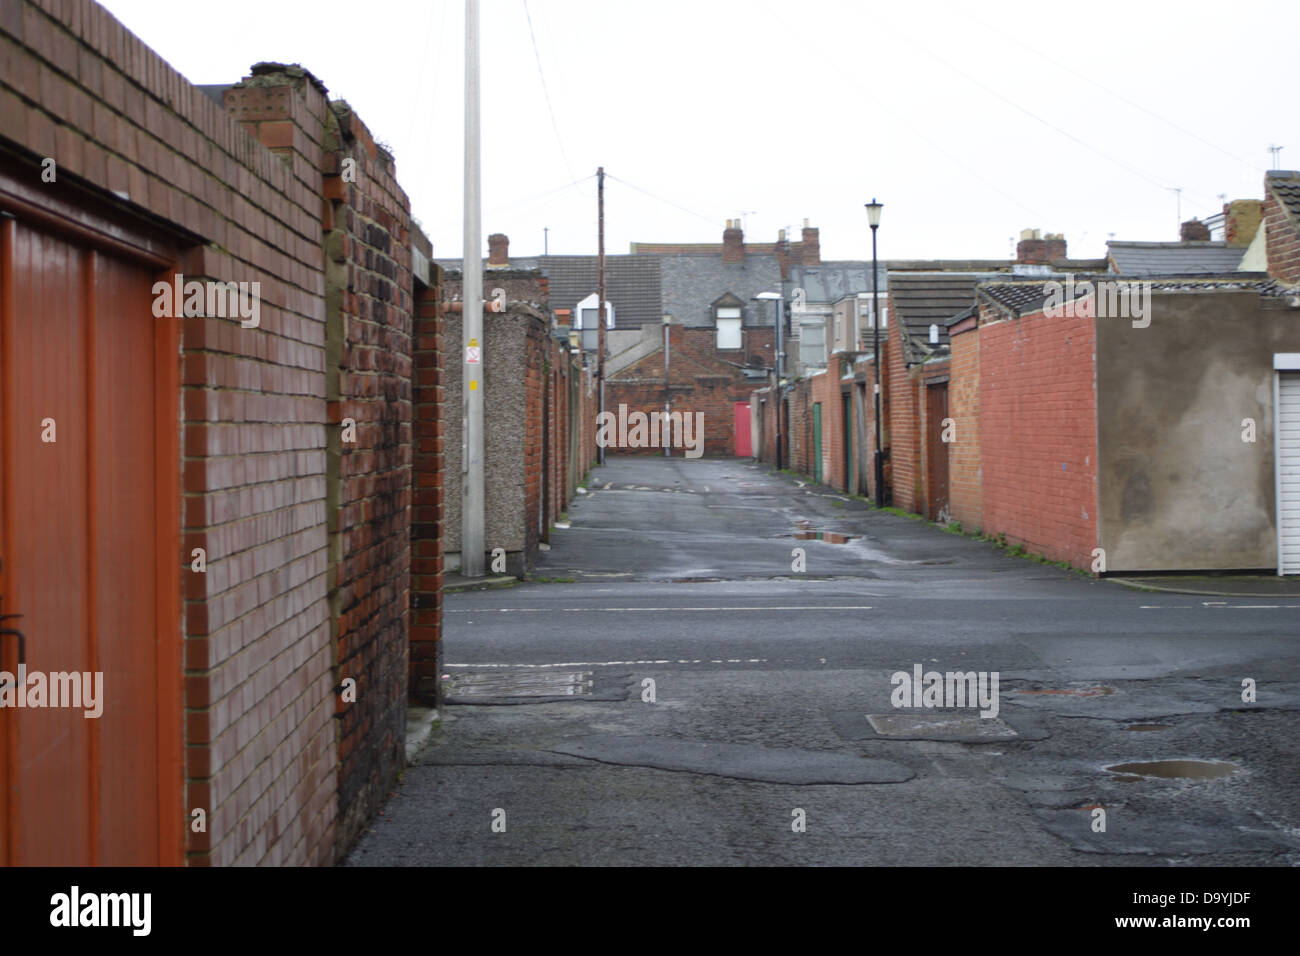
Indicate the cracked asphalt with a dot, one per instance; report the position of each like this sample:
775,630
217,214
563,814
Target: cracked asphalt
692,699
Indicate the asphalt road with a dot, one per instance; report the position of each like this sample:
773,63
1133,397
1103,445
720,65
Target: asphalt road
772,736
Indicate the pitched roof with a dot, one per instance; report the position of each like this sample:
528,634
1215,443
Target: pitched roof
922,299
1173,258
632,283
1285,184
1028,297
831,281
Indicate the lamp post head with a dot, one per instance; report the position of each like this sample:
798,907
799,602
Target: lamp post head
668,318
873,212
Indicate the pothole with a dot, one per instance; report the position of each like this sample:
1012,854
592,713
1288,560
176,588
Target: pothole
831,537
1173,769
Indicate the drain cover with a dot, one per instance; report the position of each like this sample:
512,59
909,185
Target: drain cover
939,724
520,684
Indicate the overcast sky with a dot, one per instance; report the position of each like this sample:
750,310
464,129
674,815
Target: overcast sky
968,121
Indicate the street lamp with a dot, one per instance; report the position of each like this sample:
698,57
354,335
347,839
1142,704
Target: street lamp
873,220
776,300
668,396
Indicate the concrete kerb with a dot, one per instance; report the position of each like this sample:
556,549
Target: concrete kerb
1276,587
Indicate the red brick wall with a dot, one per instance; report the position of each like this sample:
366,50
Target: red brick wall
965,487
427,514
700,383
826,390
1282,238
1038,432
369,320
262,756
903,428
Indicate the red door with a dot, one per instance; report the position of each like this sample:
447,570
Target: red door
744,444
89,420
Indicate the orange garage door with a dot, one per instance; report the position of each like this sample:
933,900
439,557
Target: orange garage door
88,419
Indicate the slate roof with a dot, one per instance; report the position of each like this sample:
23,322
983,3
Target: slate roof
691,283
831,281
1285,184
1026,298
922,299
632,283
1173,258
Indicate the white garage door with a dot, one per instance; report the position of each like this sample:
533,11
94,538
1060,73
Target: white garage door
1288,473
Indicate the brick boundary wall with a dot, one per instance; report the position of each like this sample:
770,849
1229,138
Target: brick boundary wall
1282,233
262,750
1038,432
965,464
428,512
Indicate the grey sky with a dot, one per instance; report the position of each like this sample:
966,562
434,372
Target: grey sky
776,111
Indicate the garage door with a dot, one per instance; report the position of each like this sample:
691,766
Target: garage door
1288,472
90,771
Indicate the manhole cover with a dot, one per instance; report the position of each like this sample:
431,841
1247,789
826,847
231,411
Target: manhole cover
941,724
521,684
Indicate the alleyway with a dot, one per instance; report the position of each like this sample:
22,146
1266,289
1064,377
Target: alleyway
680,572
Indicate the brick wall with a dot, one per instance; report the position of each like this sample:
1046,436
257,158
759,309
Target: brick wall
265,491
428,512
1038,431
1282,234
965,485
903,426
700,382
368,294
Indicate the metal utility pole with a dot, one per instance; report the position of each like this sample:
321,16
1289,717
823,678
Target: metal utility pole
472,547
546,240
600,292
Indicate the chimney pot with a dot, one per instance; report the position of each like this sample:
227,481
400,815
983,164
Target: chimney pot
498,249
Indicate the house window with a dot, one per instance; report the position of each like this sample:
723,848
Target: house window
728,320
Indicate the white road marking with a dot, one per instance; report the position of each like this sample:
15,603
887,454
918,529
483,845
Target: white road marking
706,487
730,660
790,607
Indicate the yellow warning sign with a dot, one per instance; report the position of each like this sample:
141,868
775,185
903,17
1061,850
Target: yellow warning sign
473,385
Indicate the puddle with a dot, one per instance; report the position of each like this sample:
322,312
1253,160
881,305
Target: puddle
1149,727
1173,769
833,537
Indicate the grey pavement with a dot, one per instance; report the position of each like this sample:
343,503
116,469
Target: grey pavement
691,699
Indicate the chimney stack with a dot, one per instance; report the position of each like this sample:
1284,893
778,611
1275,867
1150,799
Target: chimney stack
1241,219
733,242
498,250
1039,250
1194,230
812,248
